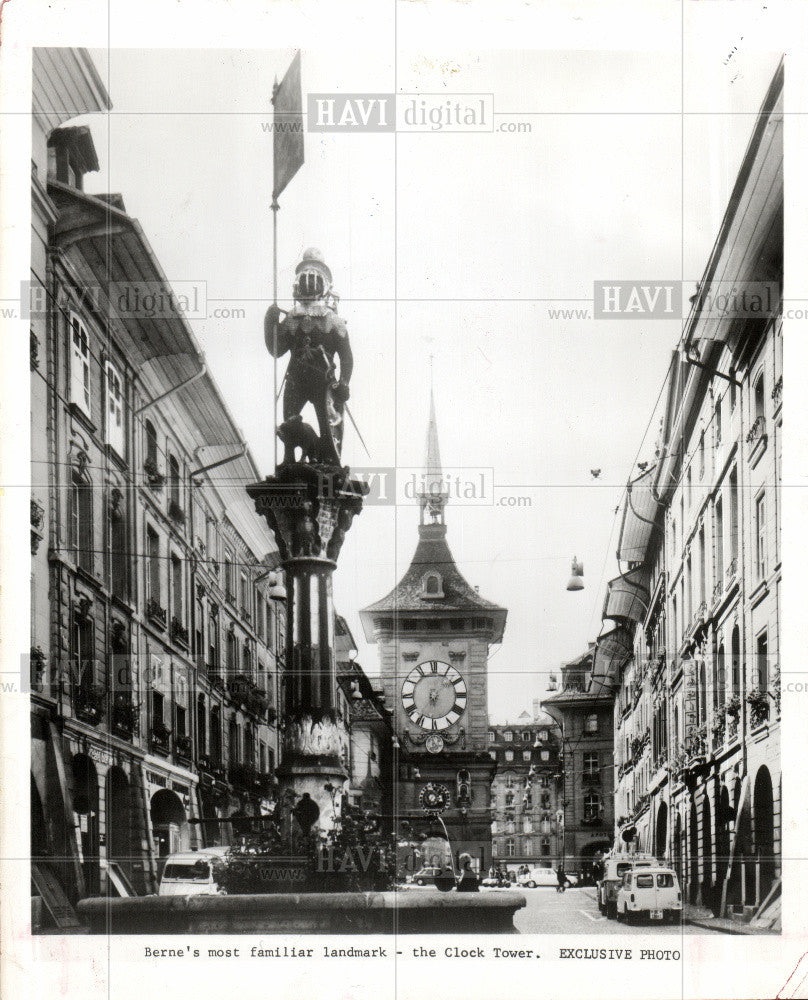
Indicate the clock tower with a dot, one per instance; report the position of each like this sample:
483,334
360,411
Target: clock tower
434,632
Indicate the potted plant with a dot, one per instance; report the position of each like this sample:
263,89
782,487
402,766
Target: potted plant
758,702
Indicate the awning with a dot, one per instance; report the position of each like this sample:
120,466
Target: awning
627,597
613,650
640,512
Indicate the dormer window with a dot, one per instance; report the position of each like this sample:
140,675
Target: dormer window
432,585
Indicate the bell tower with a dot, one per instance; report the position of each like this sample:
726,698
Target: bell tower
434,631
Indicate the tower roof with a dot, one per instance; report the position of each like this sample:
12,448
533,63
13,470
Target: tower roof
433,584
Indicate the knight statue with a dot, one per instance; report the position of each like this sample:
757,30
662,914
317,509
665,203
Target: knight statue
316,338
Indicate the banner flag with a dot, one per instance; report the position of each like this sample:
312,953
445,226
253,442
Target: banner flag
287,128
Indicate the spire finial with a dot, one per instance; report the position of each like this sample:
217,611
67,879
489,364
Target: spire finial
433,495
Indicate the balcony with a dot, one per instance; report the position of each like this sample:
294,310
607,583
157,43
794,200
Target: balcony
160,737
756,431
183,748
240,687
257,701
249,779
777,391
154,477
124,717
89,703
211,765
758,702
179,633
156,614
175,512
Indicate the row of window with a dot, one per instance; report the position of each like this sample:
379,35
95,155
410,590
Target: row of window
525,735
527,847
544,781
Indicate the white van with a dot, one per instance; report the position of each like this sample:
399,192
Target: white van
191,873
651,891
615,867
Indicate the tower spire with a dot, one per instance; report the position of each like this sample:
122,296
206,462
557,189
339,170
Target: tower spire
432,495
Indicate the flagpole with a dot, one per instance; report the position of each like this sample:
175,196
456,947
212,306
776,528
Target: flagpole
275,208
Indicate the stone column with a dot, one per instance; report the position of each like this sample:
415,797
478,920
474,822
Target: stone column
309,510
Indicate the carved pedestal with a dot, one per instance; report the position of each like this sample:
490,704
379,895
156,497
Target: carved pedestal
310,509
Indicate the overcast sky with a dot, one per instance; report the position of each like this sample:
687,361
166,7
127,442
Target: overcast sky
450,245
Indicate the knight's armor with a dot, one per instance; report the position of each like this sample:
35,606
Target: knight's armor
315,335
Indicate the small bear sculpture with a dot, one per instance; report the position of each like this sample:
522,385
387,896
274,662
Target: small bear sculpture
294,433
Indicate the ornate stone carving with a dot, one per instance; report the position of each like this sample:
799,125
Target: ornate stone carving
325,737
309,510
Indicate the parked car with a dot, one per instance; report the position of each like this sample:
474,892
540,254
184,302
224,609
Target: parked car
651,891
427,876
538,877
191,873
615,867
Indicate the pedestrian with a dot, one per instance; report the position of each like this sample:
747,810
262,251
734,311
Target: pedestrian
562,879
468,881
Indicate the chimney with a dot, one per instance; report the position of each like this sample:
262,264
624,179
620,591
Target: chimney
535,708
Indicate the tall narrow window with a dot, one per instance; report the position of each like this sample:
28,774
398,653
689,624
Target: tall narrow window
83,653
175,493
81,520
721,679
216,735
591,806
176,589
718,428
760,536
762,679
689,590
201,725
80,365
151,443
701,455
213,645
733,515
229,587
760,396
117,542
718,541
735,650
153,575
115,431
702,566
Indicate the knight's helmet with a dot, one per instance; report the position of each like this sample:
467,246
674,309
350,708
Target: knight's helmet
313,280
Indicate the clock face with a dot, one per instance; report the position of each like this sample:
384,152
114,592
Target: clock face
434,797
434,695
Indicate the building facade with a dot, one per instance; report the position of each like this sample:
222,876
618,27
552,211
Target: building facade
156,638
369,761
693,651
434,632
583,710
526,791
